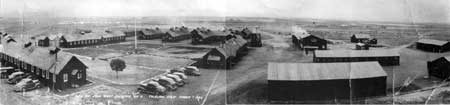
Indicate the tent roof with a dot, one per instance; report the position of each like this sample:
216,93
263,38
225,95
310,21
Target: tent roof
362,36
432,41
355,53
324,71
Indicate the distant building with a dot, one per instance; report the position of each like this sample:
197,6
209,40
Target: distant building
56,70
149,34
309,43
362,46
384,57
43,41
177,34
439,67
226,54
207,36
92,38
255,40
433,45
132,33
309,82
360,38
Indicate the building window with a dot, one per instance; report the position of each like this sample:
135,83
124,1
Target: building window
47,75
65,77
43,73
79,75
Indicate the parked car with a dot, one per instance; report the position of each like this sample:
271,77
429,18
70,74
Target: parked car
179,82
177,70
181,75
27,84
16,77
168,83
192,70
5,72
151,87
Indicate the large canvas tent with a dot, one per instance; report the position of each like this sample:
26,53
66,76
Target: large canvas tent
384,57
297,82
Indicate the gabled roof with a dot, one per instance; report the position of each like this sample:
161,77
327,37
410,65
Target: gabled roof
432,41
109,33
204,33
231,46
37,56
355,53
76,36
152,31
447,58
178,32
323,71
363,36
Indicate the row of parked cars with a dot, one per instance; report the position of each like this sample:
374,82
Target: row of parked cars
168,81
21,80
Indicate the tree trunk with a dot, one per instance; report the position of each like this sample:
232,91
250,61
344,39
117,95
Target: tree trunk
117,74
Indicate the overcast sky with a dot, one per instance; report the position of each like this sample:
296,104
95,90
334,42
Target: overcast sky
372,10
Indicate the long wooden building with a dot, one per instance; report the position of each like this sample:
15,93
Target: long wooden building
55,69
439,67
384,57
433,45
226,55
77,39
315,82
207,36
177,34
149,34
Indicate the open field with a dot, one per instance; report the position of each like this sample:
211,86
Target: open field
246,82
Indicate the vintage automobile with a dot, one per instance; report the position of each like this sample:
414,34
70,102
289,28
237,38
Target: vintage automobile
16,77
168,83
181,75
192,70
179,82
27,84
5,72
151,87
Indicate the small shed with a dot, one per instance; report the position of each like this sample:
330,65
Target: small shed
306,82
439,67
362,46
433,45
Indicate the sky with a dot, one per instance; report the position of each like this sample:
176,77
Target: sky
436,11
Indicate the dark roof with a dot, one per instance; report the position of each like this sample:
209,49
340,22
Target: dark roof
365,36
355,53
76,36
447,58
152,31
37,56
178,32
204,33
324,71
231,46
432,41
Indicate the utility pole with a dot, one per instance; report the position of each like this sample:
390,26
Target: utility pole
135,36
